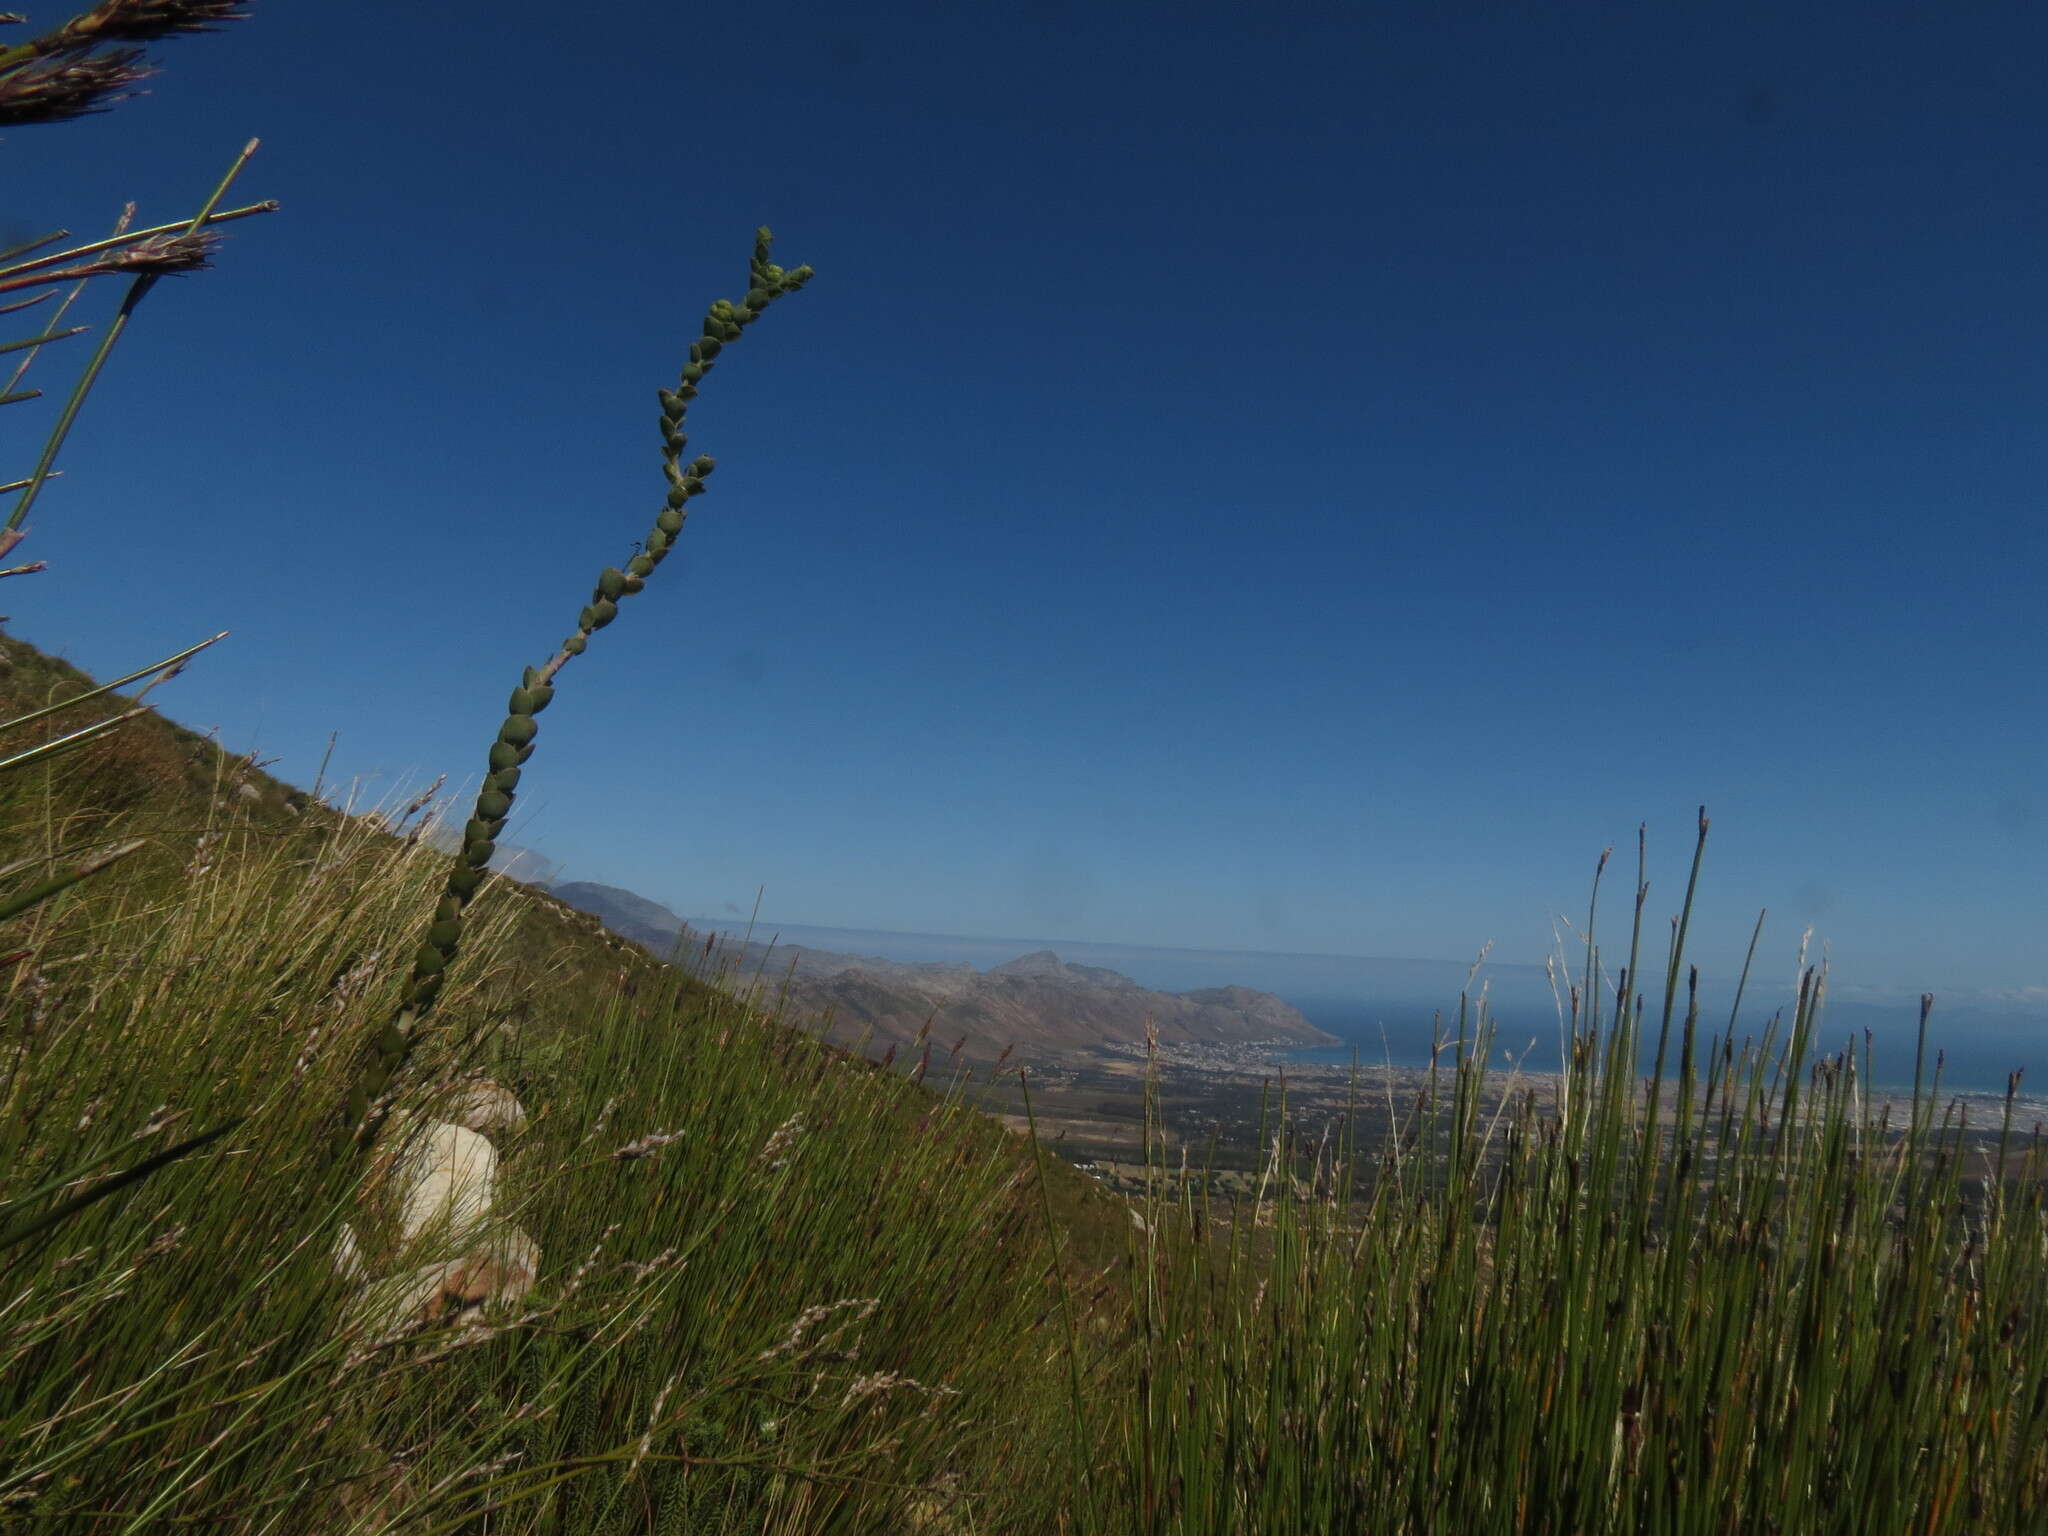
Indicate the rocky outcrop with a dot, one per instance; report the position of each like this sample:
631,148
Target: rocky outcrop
455,1254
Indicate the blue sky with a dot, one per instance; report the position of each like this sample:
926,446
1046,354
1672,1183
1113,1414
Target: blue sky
1252,477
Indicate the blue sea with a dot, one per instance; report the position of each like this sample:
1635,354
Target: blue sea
1976,1051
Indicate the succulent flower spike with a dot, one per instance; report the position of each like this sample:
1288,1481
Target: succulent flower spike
723,322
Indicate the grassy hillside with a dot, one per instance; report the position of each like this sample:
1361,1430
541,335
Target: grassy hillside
181,796
781,1289
193,1326
785,1290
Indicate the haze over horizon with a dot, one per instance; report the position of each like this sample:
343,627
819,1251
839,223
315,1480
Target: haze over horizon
1430,980
1390,1007
1285,479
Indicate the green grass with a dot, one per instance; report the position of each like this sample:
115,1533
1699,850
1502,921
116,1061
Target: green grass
831,1302
181,1353
1736,1301
785,1290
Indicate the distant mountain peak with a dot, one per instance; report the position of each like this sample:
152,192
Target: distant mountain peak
625,912
1036,1000
1040,962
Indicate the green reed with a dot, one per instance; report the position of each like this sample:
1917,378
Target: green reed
87,64
1552,1306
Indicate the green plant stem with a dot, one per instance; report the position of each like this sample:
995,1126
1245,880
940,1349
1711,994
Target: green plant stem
1079,1420
136,236
137,291
159,668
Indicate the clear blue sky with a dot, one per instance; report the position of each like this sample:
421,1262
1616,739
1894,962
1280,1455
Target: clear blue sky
1257,477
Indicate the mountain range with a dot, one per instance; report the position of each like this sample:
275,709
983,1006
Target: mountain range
1036,1002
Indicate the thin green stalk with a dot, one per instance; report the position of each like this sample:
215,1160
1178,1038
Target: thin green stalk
127,237
1651,1140
21,1231
35,895
65,743
27,342
137,291
159,668
724,323
1079,1420
33,245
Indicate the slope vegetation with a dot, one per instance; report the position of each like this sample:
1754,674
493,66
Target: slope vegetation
779,1288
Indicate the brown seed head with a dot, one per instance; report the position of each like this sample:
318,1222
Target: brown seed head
68,85
165,255
143,21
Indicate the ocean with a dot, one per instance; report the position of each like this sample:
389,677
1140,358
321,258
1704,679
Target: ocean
1977,1051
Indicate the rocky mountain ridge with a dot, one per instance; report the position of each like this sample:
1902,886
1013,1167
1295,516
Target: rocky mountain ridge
1036,1002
